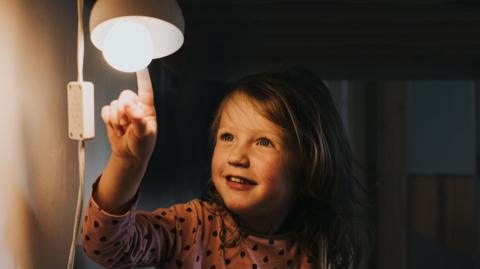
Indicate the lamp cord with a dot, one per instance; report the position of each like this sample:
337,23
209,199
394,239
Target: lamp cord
78,211
80,41
81,143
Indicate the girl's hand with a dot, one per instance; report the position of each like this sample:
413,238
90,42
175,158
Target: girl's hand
131,122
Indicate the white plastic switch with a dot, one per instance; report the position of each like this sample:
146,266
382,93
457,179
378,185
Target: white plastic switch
81,122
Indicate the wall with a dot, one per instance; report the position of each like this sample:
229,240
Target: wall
38,161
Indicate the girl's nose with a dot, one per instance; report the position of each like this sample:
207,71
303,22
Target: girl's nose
238,157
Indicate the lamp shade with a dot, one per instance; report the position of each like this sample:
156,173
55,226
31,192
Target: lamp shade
162,19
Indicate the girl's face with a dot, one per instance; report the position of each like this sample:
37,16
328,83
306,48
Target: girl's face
251,147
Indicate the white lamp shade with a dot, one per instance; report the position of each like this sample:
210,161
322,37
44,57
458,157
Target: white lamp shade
162,18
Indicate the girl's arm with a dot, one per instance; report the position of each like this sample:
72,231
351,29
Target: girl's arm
140,238
118,185
131,125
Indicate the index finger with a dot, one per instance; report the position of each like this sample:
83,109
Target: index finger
145,89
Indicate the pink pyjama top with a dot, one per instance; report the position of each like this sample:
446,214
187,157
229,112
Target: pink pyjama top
184,235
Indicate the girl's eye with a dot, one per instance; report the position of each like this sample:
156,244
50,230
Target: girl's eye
264,142
226,137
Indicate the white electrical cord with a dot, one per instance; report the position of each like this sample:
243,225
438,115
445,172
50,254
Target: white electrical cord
80,41
78,212
81,143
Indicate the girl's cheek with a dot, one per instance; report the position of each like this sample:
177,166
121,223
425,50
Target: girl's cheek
215,165
273,175
276,173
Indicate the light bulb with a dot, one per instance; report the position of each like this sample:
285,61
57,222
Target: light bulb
128,46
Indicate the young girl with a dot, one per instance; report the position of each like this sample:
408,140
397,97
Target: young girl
280,194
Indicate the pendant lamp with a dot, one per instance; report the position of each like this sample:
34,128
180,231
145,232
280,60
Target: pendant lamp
130,33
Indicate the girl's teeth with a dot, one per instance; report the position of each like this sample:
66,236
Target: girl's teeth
239,180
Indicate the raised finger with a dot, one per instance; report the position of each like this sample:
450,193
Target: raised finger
145,88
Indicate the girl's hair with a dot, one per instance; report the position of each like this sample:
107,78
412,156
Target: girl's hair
300,103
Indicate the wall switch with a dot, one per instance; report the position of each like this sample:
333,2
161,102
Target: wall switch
81,121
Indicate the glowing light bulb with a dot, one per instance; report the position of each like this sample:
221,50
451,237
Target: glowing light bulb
128,47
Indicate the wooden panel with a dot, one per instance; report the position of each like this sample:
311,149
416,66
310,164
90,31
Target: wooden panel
392,174
423,207
442,209
357,126
460,214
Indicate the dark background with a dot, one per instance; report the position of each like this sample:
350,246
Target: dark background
404,77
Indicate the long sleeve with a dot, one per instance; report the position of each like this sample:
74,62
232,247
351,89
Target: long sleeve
138,238
184,235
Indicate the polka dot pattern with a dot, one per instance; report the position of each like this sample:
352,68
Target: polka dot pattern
186,236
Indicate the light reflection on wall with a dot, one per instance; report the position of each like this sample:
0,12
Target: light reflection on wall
37,161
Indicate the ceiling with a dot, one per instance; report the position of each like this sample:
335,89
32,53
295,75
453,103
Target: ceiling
339,39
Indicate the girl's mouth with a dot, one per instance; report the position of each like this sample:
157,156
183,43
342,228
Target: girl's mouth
240,180
239,184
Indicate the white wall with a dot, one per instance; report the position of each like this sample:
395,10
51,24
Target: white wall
38,162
